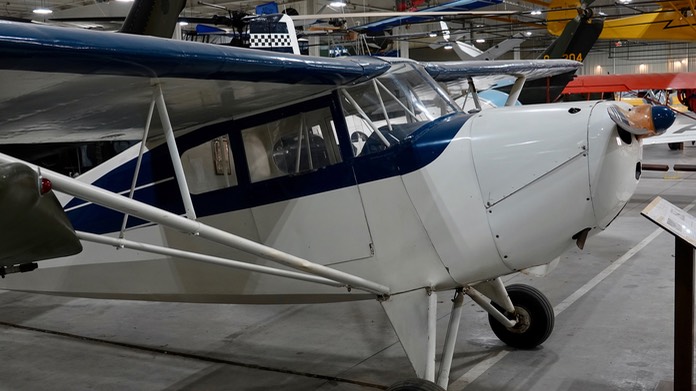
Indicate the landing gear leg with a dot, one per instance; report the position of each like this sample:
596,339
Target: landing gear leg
413,316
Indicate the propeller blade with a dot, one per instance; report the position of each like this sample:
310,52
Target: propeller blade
644,120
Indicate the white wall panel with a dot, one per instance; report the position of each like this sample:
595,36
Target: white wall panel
638,58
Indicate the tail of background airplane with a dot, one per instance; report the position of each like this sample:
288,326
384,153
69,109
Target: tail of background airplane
153,17
274,32
578,37
561,13
467,52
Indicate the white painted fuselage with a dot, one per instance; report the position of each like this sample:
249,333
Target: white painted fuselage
509,191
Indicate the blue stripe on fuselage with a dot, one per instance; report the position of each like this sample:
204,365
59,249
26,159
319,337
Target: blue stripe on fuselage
415,152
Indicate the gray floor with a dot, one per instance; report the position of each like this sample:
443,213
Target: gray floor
616,336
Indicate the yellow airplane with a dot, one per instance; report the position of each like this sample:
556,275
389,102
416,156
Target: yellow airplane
672,21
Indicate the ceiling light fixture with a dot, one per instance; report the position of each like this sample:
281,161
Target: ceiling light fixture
42,11
338,3
536,12
528,33
480,40
432,34
448,46
183,23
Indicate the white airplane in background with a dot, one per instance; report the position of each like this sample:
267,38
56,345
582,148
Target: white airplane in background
467,52
246,161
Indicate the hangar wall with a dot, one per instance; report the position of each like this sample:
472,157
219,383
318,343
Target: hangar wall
640,57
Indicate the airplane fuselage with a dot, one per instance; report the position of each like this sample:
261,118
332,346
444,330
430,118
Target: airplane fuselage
467,199
426,196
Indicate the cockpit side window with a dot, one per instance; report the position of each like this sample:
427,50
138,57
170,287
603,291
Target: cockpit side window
292,145
383,112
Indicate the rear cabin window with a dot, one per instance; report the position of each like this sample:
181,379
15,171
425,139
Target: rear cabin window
209,166
292,145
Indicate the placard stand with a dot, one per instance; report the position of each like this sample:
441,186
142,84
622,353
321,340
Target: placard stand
683,226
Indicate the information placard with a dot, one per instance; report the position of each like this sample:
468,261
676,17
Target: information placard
672,218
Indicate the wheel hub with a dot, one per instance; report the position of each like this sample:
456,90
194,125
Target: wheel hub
523,321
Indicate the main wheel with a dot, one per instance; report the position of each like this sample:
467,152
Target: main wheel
415,385
534,314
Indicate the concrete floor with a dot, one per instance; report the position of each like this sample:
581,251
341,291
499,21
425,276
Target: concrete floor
616,336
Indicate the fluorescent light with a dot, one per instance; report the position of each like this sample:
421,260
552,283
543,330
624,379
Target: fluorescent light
183,23
338,3
432,34
448,46
536,12
42,11
480,40
125,1
528,33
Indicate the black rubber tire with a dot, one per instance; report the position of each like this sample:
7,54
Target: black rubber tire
541,318
415,385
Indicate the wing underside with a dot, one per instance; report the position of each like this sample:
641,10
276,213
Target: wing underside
624,83
107,108
69,85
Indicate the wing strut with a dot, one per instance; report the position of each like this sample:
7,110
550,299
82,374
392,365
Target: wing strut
515,91
147,212
450,339
151,248
474,95
138,163
174,153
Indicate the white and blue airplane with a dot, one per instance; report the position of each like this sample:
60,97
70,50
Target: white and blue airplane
245,186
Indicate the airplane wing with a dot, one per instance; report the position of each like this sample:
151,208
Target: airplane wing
630,82
682,130
684,127
494,74
453,6
72,85
532,69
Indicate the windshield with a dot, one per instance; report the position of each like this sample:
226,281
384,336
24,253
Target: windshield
383,112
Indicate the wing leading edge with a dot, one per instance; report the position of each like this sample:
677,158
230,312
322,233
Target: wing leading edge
531,69
495,74
28,47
